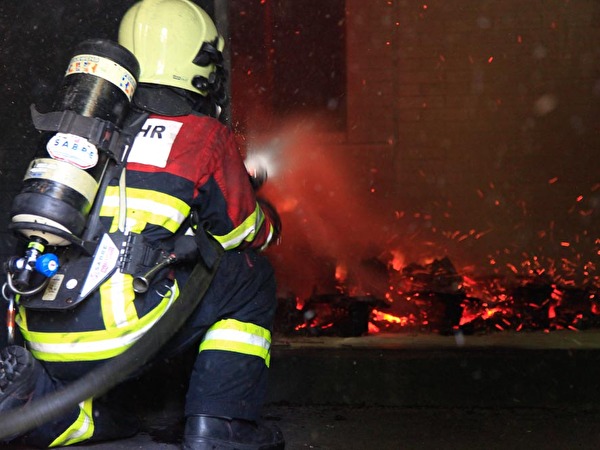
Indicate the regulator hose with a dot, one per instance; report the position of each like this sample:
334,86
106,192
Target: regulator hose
100,380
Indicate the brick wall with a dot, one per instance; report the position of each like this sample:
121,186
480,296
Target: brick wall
490,110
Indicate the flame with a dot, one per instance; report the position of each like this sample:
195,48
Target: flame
341,273
378,315
398,260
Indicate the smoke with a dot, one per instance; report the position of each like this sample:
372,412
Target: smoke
346,222
334,226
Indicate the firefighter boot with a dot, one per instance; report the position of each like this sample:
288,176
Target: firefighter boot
219,433
19,371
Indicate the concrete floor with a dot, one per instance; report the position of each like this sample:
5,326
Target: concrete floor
499,391
370,428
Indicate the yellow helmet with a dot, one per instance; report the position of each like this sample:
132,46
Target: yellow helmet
176,43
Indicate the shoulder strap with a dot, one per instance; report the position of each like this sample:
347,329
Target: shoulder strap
133,124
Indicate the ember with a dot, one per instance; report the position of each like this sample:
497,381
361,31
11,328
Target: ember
330,315
435,298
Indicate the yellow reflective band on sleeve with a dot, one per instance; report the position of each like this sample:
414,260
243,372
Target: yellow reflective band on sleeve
145,206
241,337
81,430
93,345
246,231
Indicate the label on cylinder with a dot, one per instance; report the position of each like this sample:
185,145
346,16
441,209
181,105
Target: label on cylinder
73,149
103,68
65,174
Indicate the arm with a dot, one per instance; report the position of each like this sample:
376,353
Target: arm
227,206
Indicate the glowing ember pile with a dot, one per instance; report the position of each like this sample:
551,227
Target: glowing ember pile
434,297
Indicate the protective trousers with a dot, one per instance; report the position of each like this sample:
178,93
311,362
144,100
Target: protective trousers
232,331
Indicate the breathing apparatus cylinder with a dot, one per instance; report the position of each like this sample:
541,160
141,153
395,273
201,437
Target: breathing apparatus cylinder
90,106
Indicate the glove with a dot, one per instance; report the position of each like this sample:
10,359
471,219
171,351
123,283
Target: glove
197,247
186,248
258,177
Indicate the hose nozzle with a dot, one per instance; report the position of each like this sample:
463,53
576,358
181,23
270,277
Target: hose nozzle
142,283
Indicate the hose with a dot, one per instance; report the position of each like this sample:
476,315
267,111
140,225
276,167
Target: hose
100,380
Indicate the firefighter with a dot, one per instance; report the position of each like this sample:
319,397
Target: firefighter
185,182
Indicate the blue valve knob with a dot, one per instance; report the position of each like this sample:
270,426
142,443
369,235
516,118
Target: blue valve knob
47,264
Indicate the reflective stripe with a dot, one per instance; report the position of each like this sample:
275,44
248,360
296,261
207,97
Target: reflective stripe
246,231
118,308
268,241
240,337
146,206
92,345
81,430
